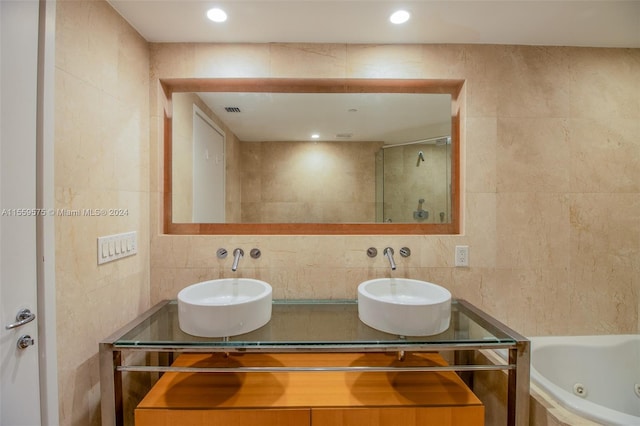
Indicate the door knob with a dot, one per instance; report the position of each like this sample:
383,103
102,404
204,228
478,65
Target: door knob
23,317
25,341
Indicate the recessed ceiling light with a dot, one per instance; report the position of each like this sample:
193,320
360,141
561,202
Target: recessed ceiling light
217,15
399,17
315,136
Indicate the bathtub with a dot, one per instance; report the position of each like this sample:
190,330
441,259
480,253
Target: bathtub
597,377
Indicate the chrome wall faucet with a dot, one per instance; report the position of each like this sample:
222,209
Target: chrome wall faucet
237,255
389,253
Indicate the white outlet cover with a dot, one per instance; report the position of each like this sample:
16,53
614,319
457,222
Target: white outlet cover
462,256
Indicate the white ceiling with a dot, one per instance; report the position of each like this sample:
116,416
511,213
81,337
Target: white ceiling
608,23
391,118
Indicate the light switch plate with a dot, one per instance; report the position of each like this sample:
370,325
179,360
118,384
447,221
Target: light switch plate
117,246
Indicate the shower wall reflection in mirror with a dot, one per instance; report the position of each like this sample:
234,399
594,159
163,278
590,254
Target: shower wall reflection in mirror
311,157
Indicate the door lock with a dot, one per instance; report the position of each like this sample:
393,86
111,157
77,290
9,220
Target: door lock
25,341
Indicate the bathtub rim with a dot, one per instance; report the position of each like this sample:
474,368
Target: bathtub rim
567,399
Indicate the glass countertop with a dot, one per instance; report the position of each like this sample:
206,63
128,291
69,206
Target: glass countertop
315,325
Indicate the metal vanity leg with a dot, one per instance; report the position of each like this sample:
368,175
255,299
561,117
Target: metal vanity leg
518,386
464,358
111,405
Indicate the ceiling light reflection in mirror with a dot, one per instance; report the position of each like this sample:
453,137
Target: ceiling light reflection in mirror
399,17
217,15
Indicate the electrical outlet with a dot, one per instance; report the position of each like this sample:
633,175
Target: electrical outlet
462,256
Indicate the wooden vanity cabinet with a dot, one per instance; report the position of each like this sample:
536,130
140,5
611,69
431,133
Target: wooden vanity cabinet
425,416
212,417
318,398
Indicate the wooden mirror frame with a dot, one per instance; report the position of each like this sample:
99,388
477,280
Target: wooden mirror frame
452,87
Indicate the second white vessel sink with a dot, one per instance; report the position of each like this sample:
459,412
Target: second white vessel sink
224,307
404,306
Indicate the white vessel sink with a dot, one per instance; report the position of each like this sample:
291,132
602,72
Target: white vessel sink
403,306
224,307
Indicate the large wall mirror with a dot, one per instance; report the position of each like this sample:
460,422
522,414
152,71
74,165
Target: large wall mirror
312,156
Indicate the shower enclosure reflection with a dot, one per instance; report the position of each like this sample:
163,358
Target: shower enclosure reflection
414,182
379,157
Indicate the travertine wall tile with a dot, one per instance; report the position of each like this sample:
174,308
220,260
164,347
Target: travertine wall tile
307,183
444,61
482,79
237,61
385,61
533,82
101,162
307,60
482,225
481,154
530,154
604,154
532,230
173,60
604,83
601,244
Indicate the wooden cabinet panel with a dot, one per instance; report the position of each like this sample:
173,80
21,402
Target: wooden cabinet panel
269,417
431,416
330,398
308,389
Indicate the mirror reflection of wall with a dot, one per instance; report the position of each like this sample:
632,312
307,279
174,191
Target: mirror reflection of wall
183,159
208,169
341,177
308,182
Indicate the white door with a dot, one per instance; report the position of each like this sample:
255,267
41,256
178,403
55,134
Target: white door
208,170
19,394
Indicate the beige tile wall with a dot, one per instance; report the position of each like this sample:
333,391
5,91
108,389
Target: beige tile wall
101,161
552,183
308,182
